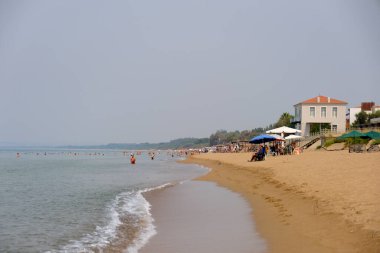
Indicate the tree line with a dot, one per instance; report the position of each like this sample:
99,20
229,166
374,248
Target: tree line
219,137
224,137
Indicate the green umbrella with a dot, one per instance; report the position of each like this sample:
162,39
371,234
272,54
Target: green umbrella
353,134
373,135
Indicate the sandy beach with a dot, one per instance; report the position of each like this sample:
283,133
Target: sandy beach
199,216
318,201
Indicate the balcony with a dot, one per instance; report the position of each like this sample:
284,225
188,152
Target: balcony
295,120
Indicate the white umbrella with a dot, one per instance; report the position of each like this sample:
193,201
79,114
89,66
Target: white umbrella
282,130
293,137
278,137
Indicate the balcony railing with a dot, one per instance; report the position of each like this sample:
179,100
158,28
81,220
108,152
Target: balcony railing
295,120
325,132
328,132
363,129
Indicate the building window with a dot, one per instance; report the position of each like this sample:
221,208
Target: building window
335,112
334,128
312,112
297,116
323,112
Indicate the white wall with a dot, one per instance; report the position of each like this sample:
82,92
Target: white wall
340,120
353,112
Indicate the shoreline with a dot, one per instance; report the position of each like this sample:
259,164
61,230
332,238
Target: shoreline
200,216
291,205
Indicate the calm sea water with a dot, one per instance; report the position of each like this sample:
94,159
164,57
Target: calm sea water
80,201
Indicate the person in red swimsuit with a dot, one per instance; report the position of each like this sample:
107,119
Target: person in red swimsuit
133,159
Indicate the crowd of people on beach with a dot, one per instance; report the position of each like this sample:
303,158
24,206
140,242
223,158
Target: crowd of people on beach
260,152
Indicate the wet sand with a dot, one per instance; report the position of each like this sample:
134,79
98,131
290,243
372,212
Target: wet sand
316,202
201,217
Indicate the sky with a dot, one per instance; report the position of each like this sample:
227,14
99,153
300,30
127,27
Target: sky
87,72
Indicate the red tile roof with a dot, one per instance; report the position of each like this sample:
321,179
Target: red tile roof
323,100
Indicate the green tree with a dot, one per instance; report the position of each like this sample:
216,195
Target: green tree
373,115
218,138
284,120
245,135
232,136
224,137
361,119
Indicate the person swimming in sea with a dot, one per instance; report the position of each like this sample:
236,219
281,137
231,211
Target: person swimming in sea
133,159
151,155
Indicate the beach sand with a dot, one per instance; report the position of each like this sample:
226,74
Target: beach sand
319,201
201,217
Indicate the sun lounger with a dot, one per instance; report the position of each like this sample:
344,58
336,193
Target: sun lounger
357,148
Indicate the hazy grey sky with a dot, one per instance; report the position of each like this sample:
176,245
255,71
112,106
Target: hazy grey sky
92,72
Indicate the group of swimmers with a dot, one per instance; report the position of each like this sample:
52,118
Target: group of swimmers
133,158
152,154
18,154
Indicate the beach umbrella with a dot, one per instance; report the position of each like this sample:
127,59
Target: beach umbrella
352,134
293,137
278,137
262,139
373,135
283,130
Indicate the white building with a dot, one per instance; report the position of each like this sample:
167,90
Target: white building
320,110
368,107
352,114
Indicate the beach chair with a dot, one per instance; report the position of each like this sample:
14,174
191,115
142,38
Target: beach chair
260,157
357,148
273,151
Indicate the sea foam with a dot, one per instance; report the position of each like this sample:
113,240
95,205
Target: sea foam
126,204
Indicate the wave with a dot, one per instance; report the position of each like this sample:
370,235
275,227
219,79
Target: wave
128,228
149,230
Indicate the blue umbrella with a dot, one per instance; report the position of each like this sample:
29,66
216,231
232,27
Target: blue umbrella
262,138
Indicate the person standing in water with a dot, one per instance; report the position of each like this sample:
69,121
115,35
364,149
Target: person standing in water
151,155
133,159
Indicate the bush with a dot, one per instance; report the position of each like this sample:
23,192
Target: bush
357,141
329,142
337,140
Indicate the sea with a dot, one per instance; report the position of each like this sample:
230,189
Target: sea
58,200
